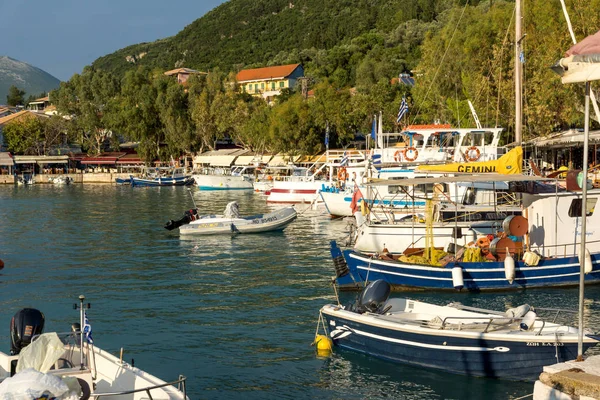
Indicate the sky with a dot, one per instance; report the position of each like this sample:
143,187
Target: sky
63,36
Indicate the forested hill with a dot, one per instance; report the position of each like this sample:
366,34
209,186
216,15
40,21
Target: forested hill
247,33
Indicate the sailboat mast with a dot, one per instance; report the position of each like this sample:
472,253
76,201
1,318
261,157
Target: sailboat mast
518,75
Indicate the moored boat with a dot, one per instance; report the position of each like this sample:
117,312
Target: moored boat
231,222
70,365
515,344
161,177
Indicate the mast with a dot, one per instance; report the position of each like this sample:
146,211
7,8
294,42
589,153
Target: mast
518,75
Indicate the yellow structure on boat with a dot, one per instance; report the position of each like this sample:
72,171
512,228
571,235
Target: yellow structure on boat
509,164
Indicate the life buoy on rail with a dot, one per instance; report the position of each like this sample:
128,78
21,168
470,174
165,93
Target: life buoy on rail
342,174
398,155
414,153
473,154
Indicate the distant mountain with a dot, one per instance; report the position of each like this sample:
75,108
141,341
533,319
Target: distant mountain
24,76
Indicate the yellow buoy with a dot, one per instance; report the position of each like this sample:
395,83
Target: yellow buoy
323,344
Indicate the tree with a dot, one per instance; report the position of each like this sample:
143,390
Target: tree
35,135
15,96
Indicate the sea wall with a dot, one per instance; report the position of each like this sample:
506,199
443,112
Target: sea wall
106,177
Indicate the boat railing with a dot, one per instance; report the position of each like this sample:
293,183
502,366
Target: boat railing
181,386
497,321
545,248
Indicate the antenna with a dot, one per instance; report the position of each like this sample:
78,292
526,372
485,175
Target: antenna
474,114
192,196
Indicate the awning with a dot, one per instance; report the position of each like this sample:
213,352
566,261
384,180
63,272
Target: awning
103,159
41,160
221,161
246,160
130,159
6,159
279,161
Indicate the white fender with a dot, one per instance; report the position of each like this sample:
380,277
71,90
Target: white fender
528,320
587,262
457,278
509,267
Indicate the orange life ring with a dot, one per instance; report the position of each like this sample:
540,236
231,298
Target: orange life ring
342,174
471,157
414,151
398,155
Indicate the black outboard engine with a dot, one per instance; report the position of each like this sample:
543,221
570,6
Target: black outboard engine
26,324
188,216
373,296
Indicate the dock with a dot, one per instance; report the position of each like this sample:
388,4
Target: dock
569,381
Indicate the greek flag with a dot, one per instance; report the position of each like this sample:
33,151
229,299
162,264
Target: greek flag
403,110
374,128
327,136
376,158
87,328
345,160
522,57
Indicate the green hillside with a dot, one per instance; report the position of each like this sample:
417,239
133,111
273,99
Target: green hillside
24,76
243,33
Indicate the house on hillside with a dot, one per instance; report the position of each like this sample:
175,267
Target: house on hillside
267,82
183,74
39,105
15,117
403,79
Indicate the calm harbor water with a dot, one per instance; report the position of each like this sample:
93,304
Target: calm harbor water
236,315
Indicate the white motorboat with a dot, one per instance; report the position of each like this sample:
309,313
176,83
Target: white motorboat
231,222
61,180
70,365
234,178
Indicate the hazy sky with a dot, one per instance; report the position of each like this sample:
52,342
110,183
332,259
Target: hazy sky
63,36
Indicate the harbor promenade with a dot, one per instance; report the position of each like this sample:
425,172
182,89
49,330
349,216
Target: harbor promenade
101,177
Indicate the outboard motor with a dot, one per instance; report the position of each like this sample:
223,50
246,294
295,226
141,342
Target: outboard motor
26,324
373,296
188,216
232,210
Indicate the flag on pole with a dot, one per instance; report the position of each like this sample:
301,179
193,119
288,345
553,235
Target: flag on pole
87,328
345,160
376,158
403,109
327,136
374,128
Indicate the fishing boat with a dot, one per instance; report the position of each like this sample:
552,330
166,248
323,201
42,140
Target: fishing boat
70,365
61,180
230,222
161,177
515,344
538,249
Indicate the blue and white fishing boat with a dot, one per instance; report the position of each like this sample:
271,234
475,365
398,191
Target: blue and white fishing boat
162,177
515,344
542,251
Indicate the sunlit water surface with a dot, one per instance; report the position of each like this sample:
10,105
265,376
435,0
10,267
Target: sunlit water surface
235,314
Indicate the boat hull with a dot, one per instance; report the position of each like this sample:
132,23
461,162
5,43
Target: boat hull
292,192
476,355
261,223
477,276
222,182
178,181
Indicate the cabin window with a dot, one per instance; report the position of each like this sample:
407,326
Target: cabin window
470,196
575,209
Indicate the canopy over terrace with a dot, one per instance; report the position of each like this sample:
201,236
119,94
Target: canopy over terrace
103,159
280,160
255,159
218,158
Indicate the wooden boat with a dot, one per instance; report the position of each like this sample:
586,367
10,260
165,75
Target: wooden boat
231,222
70,365
515,344
159,177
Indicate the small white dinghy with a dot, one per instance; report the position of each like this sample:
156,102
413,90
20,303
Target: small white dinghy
231,222
70,366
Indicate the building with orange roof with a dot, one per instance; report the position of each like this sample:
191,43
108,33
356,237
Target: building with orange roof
183,74
269,81
39,105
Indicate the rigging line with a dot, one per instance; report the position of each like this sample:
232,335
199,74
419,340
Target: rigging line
441,61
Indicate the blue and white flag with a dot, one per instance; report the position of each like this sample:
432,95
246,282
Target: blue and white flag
327,136
345,160
374,128
87,328
376,159
522,57
403,110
